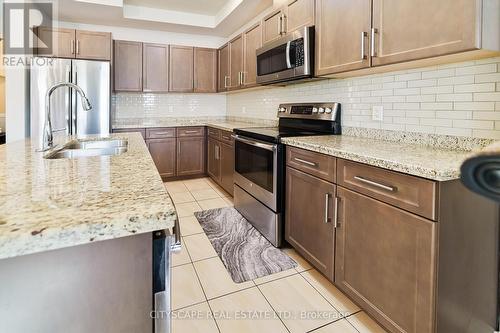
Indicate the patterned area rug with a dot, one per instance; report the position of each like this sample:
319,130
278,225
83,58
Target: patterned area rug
246,254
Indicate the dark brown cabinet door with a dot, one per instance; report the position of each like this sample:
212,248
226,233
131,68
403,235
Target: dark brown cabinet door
163,153
205,70
190,156
155,68
93,45
63,42
236,62
342,35
128,66
298,14
386,261
309,218
272,26
252,40
224,68
181,68
227,167
213,159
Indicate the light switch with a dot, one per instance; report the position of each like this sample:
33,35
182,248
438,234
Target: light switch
378,113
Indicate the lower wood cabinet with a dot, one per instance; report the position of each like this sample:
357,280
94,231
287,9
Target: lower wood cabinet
227,167
190,156
163,152
220,159
309,221
386,261
213,163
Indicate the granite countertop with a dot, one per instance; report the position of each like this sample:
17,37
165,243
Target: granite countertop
51,204
423,161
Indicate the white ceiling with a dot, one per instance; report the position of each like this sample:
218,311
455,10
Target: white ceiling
206,17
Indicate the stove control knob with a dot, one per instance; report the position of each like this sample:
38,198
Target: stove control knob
328,110
282,109
315,110
321,110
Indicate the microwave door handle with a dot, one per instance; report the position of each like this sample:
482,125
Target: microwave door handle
288,62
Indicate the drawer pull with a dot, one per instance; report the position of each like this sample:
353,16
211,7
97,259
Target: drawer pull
305,162
226,137
327,206
190,132
162,133
369,182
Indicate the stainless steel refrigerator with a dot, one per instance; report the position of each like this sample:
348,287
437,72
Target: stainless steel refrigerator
68,117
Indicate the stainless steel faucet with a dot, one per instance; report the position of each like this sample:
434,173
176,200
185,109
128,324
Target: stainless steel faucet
48,137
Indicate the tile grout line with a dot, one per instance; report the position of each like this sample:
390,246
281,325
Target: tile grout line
281,320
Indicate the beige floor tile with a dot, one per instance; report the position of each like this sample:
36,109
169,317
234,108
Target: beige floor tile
190,225
229,200
230,312
303,265
205,194
276,276
330,292
340,326
302,308
219,189
212,203
176,187
216,280
182,197
181,257
194,319
186,289
364,324
187,209
199,247
197,184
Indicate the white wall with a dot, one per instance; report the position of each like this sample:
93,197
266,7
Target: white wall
455,99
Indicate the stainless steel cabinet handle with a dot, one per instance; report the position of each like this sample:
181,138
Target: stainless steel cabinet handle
72,47
363,36
280,25
336,213
373,53
77,47
327,206
162,133
283,24
176,245
305,162
190,132
372,183
225,81
217,153
226,137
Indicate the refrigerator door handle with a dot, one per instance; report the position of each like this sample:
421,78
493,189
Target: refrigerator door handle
74,105
69,124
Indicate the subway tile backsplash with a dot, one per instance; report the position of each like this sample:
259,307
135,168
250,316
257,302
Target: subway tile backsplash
461,99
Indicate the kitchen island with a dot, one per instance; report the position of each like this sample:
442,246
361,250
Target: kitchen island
76,238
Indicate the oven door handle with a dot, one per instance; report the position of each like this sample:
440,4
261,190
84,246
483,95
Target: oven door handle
288,61
254,143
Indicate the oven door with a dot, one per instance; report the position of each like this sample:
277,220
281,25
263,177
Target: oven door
256,169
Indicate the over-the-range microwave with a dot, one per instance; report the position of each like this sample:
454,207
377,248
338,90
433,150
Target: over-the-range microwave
289,58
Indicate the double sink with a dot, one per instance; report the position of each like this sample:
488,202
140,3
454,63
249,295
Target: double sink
89,148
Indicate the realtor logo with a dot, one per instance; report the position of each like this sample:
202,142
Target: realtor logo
20,23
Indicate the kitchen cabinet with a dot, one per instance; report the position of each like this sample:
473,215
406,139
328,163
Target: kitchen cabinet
77,44
224,62
213,164
181,68
220,159
386,261
190,151
309,222
155,67
272,26
227,167
127,66
205,70
163,152
252,40
342,35
404,30
235,62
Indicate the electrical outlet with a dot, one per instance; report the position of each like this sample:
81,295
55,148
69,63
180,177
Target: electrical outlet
170,108
243,109
378,113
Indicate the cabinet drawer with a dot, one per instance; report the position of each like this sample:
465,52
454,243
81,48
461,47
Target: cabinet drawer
160,133
190,131
225,137
214,133
319,165
411,193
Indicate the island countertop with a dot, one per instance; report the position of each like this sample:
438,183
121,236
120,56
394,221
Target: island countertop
433,163
51,204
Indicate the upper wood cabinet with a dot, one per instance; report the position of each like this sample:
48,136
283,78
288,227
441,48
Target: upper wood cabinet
93,45
79,44
236,62
385,259
298,14
409,30
252,40
342,35
181,68
128,66
205,70
272,26
224,62
155,67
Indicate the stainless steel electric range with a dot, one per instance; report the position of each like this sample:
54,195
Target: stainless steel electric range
259,177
